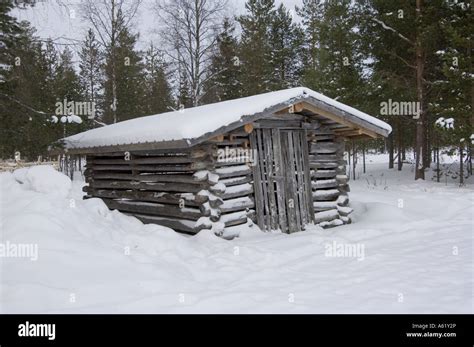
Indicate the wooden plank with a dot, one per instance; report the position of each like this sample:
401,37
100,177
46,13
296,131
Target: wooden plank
188,179
234,181
153,168
157,187
154,209
173,223
264,179
293,177
237,204
301,190
326,195
289,191
239,170
164,198
237,191
270,178
257,183
167,160
307,176
280,185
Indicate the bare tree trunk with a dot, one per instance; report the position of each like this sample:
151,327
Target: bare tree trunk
353,160
438,168
390,151
399,145
363,157
461,164
420,124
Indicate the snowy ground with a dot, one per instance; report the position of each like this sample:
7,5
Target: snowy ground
414,244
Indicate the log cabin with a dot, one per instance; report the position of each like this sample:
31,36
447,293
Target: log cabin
275,160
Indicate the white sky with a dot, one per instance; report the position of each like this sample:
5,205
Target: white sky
54,20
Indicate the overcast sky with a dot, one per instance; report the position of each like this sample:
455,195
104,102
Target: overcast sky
54,20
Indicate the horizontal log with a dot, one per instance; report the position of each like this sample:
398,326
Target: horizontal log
326,216
237,191
234,181
235,218
320,206
325,148
163,198
154,209
153,168
323,165
323,184
173,223
189,179
166,160
344,211
326,195
233,171
323,174
237,204
156,187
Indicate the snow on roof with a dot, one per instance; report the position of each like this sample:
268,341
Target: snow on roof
194,122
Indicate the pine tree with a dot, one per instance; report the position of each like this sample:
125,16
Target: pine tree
332,52
158,98
285,57
91,71
127,67
255,46
224,82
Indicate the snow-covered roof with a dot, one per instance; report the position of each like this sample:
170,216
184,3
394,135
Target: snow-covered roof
189,125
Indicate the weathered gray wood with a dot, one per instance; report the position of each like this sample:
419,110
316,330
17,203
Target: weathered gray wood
323,174
301,191
323,184
278,177
157,187
320,206
235,218
326,195
291,202
154,168
173,223
164,198
323,165
234,181
307,176
237,204
270,177
258,193
188,179
166,160
326,216
264,179
325,148
154,209
282,124
240,170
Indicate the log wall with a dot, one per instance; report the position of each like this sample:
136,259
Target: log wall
329,179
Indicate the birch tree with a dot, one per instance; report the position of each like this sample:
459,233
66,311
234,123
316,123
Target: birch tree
189,31
109,18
